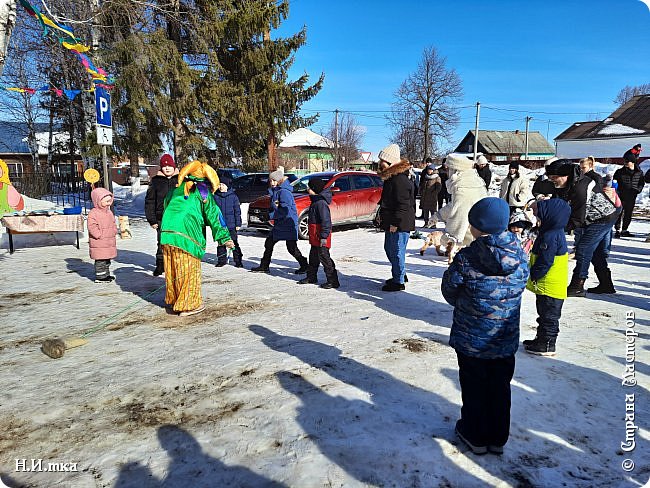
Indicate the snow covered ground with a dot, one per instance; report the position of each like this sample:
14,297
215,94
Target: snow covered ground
277,384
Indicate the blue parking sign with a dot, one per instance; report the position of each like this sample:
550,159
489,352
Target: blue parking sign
103,107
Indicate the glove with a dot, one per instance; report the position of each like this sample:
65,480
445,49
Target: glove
230,245
323,243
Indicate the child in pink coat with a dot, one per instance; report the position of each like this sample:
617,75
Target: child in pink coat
101,234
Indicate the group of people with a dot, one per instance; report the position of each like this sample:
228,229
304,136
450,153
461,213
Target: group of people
484,282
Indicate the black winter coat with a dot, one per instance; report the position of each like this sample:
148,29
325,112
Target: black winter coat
486,174
154,200
576,195
230,207
630,182
397,204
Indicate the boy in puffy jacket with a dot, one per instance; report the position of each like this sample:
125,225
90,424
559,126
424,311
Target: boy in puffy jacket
320,234
549,269
101,234
228,203
485,283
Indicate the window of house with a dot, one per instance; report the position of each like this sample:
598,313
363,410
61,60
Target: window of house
15,169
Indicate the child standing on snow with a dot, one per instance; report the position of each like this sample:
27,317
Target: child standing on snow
549,270
101,234
484,284
154,202
228,203
320,233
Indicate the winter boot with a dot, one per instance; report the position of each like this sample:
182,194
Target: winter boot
390,280
160,269
626,233
308,281
541,347
261,269
528,342
605,285
576,287
304,266
617,234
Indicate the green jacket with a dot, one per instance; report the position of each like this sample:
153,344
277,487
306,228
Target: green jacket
554,283
184,222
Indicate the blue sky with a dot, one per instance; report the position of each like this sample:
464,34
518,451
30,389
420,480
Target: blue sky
566,58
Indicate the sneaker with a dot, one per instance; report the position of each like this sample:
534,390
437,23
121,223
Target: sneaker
307,281
199,309
105,279
260,269
329,286
626,233
392,286
475,449
541,347
495,449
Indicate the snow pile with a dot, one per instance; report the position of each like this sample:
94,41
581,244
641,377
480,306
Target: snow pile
129,202
619,129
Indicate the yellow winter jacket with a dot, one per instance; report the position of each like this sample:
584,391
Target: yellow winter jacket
554,283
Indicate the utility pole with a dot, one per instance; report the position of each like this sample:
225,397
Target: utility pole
478,112
336,139
527,121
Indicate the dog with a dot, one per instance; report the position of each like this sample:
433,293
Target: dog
434,239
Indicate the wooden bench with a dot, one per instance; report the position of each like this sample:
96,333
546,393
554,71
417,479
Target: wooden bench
41,224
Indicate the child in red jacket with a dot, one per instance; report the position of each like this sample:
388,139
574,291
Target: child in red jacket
320,232
101,234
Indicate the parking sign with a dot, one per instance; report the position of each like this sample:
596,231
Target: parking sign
103,107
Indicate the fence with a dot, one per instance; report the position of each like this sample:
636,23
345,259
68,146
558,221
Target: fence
63,190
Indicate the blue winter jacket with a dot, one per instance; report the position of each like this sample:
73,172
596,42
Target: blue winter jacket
484,284
283,213
551,241
230,207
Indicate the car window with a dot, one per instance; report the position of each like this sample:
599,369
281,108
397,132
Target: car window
378,181
262,180
362,182
242,182
343,183
300,185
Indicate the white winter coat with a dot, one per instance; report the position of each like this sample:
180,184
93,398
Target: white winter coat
519,192
466,188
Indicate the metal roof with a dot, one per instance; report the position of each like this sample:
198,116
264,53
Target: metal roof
510,142
630,119
12,135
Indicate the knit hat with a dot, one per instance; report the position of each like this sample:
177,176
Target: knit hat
390,154
316,185
225,180
561,167
514,165
278,174
167,160
481,160
459,163
490,215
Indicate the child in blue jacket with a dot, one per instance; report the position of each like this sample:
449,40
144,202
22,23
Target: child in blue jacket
228,203
549,271
485,283
320,234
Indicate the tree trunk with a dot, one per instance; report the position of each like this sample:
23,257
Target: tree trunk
271,145
7,22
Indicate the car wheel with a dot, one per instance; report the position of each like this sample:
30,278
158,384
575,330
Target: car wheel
376,221
303,226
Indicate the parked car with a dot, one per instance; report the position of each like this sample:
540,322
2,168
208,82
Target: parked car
232,173
254,185
355,199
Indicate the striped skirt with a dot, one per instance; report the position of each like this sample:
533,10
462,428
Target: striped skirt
183,279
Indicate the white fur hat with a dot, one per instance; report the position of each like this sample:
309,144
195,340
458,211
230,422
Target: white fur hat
390,154
459,163
481,160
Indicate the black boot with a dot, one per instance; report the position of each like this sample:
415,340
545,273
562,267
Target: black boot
528,342
541,346
160,269
261,269
304,266
576,288
605,285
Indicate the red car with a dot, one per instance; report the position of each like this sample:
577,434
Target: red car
355,199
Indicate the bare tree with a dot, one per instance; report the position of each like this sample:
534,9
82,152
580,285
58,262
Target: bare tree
431,93
406,133
630,91
7,22
349,137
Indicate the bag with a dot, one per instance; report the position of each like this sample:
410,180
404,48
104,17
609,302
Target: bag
599,207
